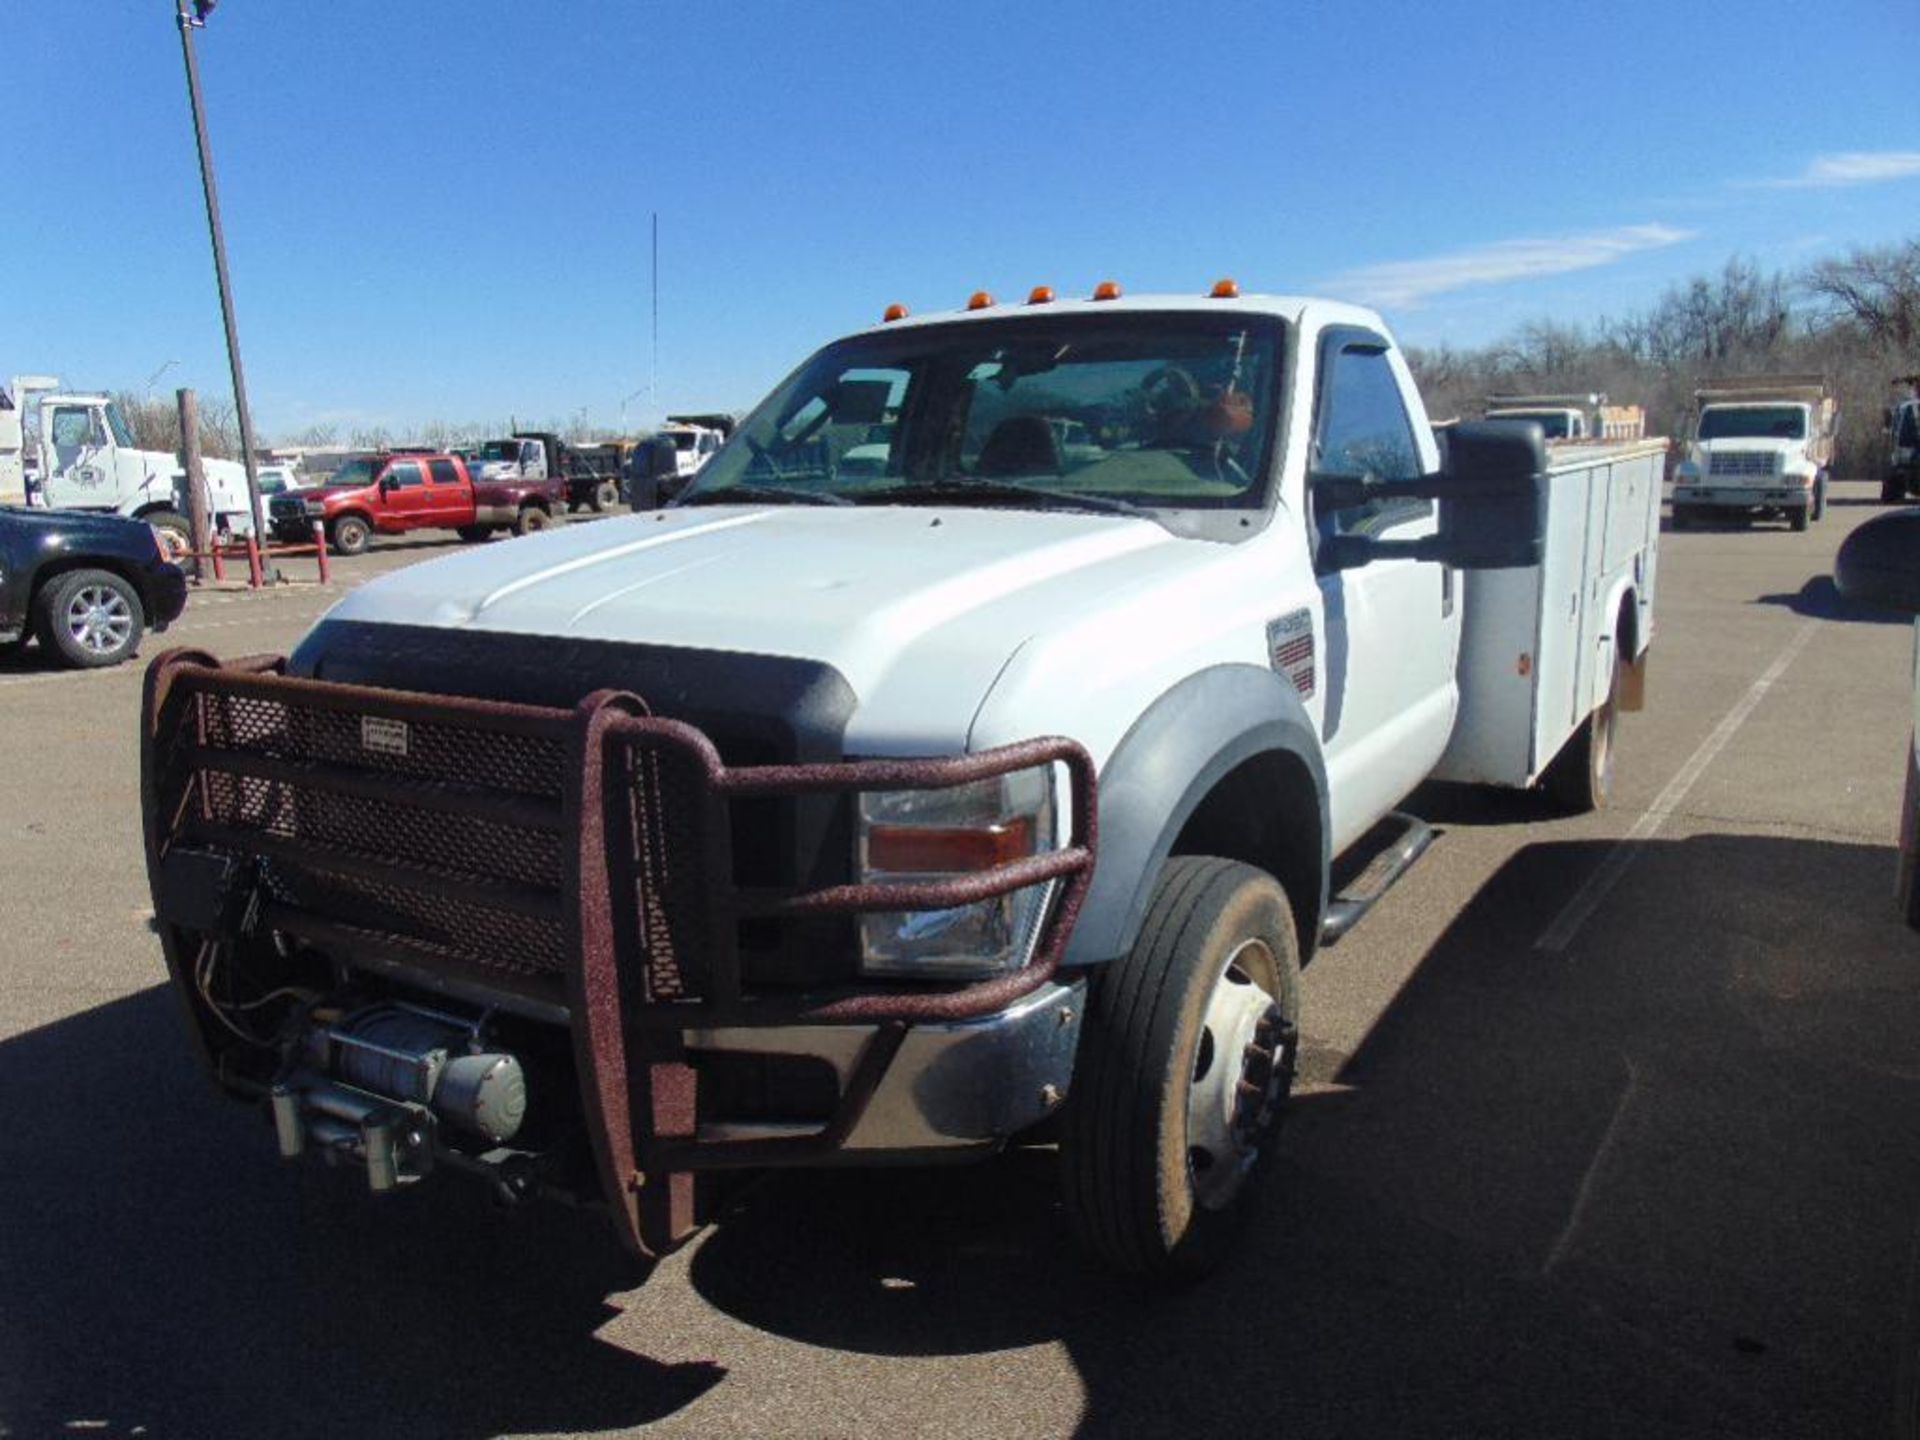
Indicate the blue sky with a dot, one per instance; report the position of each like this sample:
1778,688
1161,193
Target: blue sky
438,209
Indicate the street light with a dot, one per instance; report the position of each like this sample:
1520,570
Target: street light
154,378
190,22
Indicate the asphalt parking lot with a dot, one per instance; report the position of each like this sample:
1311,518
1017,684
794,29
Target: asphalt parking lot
1610,1126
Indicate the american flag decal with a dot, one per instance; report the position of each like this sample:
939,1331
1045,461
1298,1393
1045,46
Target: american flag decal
1290,649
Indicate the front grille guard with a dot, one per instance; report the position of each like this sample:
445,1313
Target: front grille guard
572,864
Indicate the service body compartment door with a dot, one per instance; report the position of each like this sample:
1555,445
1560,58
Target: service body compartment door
1536,650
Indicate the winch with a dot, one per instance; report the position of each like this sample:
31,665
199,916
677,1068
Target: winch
376,1082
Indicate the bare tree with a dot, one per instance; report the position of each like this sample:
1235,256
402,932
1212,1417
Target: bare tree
1876,289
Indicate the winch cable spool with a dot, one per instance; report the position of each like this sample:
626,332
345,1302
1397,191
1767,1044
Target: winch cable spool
421,1058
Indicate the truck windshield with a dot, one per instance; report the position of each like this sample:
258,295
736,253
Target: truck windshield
1136,409
355,472
500,450
1753,422
117,423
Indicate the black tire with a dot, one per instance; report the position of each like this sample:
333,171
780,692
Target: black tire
1820,497
1160,1167
1580,779
532,520
1683,517
1798,520
350,535
474,534
606,495
1892,491
176,535
89,618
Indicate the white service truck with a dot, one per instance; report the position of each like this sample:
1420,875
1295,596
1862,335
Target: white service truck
990,791
82,454
1758,445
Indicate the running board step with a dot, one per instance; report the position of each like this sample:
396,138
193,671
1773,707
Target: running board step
1406,840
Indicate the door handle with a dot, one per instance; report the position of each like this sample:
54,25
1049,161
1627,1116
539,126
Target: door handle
1446,591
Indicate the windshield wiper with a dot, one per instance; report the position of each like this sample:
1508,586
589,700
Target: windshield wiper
761,495
988,492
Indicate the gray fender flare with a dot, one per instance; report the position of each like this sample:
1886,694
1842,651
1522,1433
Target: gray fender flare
1163,767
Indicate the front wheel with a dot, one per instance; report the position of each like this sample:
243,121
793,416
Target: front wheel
1186,1064
90,618
1797,520
474,534
351,535
605,496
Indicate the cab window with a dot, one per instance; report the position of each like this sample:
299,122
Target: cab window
443,472
1363,429
75,425
406,473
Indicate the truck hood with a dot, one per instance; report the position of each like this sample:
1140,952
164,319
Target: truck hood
918,609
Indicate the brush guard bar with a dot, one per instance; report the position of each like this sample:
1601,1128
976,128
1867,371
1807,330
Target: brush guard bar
574,866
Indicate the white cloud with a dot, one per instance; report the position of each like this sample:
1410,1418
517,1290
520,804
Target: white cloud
1410,283
1853,167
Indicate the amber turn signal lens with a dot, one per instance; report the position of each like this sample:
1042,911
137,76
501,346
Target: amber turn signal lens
979,300
1040,295
1225,290
895,311
947,850
1107,290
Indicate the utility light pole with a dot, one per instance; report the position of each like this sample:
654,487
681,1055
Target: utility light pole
189,23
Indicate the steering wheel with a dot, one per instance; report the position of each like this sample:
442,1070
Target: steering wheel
1169,390
764,456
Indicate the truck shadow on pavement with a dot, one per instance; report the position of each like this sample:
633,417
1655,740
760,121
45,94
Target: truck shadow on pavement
161,1275
1664,1184
1818,599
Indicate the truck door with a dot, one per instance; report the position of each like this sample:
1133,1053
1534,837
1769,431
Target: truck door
1393,626
449,499
406,499
79,469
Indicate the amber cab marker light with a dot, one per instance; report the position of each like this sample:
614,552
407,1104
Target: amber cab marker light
1225,290
930,850
895,311
1040,295
1107,290
979,300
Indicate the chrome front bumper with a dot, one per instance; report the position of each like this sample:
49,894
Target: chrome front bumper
953,1086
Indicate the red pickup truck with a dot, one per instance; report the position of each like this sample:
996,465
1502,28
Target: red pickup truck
392,494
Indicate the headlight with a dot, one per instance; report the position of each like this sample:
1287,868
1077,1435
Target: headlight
924,835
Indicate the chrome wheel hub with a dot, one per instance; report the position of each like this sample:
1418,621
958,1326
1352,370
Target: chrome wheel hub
1242,1071
99,619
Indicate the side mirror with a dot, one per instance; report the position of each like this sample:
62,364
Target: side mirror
1492,495
388,484
1879,563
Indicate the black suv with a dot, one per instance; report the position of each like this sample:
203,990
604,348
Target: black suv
87,585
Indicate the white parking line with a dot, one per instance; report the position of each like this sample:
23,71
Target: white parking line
1555,939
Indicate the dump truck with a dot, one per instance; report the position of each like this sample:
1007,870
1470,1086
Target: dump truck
1759,445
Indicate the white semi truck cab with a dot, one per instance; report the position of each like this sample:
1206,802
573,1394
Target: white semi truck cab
1759,445
83,457
895,811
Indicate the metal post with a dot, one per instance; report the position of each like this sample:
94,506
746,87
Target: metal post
320,550
199,530
187,26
